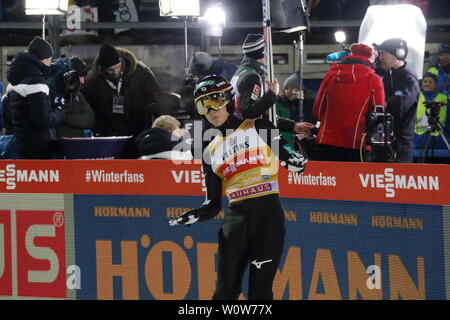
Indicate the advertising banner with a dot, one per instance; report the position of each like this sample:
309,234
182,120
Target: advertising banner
36,241
334,250
375,182
96,229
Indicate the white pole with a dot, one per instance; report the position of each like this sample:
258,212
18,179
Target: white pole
43,27
268,52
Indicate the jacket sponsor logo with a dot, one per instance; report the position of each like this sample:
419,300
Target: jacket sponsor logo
250,191
392,182
10,175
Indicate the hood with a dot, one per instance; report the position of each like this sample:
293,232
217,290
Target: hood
25,65
352,69
127,55
155,140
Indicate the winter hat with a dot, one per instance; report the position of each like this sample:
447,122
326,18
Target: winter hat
108,56
395,46
253,46
432,76
40,48
361,49
200,63
292,81
444,47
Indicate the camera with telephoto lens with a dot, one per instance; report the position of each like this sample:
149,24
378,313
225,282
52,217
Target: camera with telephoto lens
379,127
71,80
433,108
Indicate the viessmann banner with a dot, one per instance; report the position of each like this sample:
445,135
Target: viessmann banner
99,230
376,182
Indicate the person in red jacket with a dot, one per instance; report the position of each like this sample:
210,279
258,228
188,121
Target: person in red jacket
348,91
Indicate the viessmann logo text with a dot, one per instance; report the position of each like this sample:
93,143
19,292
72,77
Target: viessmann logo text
11,176
392,182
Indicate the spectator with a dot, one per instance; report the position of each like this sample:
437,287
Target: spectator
442,69
429,93
68,75
349,90
288,105
124,94
402,92
32,116
252,100
202,65
163,140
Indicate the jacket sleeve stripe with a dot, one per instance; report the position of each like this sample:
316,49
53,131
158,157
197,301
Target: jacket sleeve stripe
27,89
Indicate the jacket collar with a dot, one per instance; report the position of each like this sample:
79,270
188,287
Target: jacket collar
254,64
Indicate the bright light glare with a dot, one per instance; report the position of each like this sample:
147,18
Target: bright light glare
182,8
340,36
215,16
405,21
48,7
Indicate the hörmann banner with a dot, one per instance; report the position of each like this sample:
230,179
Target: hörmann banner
334,250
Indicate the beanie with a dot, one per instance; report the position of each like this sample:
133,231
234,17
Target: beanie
253,46
395,46
363,50
40,48
444,47
292,81
432,76
200,63
108,56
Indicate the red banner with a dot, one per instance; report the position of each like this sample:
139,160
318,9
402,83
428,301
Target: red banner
378,182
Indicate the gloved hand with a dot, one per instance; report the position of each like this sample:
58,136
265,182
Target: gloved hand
295,163
188,218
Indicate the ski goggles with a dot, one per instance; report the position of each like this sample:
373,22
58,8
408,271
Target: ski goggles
211,101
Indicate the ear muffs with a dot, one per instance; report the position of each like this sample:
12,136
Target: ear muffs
401,52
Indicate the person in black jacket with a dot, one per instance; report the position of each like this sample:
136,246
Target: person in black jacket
402,90
242,161
32,117
164,140
252,101
65,82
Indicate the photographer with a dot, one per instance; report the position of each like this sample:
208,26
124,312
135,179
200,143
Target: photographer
402,91
68,75
429,114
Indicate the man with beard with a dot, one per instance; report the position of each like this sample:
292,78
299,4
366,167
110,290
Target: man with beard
124,94
27,103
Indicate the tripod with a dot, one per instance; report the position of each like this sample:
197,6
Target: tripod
434,126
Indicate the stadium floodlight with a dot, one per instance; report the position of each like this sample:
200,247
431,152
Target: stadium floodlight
179,8
404,21
213,21
46,7
215,16
340,36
